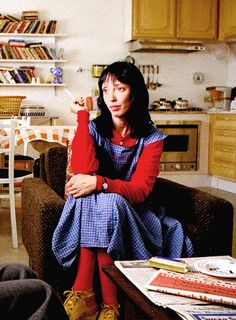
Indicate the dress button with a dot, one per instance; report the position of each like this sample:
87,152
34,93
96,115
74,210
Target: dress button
121,143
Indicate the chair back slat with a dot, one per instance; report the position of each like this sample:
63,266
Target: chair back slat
8,175
7,143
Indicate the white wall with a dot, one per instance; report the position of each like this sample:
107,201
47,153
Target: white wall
95,31
232,66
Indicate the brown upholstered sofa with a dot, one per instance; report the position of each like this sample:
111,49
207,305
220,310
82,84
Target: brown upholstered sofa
207,219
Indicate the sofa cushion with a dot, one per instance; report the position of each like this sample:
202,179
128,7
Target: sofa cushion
69,172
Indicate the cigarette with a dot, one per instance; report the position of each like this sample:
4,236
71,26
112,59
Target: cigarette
69,94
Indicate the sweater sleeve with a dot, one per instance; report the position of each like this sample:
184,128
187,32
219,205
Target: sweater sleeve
141,183
83,159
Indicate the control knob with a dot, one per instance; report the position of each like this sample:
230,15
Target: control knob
177,166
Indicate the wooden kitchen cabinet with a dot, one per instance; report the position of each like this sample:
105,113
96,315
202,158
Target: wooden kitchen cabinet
222,152
197,19
227,28
152,19
171,20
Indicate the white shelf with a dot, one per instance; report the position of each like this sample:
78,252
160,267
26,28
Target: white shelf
34,35
49,38
32,85
31,61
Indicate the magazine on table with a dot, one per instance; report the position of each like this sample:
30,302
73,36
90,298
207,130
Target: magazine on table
210,279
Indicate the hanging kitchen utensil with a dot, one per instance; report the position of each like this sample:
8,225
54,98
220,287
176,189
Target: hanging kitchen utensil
152,83
156,71
130,59
148,78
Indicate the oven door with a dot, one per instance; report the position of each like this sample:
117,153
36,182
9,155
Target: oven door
180,145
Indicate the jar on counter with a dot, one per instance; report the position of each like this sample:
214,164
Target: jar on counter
180,104
233,104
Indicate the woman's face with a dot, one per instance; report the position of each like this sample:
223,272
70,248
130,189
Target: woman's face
116,96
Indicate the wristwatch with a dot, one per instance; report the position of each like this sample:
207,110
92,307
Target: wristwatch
104,185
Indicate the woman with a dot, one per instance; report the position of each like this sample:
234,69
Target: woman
116,160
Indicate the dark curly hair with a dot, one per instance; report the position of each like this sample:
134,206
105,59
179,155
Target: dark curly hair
138,115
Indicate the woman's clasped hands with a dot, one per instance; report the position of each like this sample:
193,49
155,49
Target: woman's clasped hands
81,185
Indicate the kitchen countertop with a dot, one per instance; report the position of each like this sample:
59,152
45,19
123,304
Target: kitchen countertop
217,111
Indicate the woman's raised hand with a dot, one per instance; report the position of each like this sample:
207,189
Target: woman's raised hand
77,105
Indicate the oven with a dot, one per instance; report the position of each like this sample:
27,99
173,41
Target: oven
180,151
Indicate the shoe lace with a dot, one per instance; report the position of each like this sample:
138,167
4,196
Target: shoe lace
110,311
71,298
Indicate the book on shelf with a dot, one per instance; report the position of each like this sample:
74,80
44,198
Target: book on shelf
29,53
16,42
19,49
9,77
28,23
51,27
3,23
12,27
15,53
41,27
50,53
30,15
35,26
21,26
39,52
194,285
5,52
2,78
23,74
12,18
18,76
29,27
6,27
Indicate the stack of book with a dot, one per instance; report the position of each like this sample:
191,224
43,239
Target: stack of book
30,15
18,49
9,75
28,23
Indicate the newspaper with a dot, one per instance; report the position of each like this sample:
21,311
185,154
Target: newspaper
205,312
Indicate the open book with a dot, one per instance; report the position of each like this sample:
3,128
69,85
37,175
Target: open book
196,285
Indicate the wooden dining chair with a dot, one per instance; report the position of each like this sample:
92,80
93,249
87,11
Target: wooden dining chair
22,161
9,175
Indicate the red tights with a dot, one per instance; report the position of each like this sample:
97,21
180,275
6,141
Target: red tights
85,273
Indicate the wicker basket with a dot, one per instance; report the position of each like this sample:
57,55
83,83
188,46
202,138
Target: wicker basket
10,105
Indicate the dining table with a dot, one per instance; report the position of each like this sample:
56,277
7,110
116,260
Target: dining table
43,137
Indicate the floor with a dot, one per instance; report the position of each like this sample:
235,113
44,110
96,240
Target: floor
8,254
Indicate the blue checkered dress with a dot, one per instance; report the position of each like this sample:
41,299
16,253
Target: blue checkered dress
107,220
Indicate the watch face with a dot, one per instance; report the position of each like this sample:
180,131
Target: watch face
105,186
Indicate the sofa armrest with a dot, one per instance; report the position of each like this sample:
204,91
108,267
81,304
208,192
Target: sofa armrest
55,163
207,219
41,210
